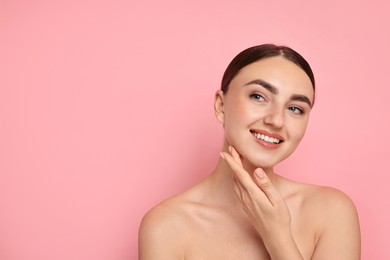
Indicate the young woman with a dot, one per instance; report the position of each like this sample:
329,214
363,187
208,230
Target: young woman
243,209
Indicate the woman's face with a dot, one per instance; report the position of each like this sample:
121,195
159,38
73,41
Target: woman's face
266,110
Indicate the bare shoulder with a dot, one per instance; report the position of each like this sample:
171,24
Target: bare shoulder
328,202
321,199
162,217
163,230
338,232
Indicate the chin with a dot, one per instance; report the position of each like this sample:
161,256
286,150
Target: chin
260,163
265,161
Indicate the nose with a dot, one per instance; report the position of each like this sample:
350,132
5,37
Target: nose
275,117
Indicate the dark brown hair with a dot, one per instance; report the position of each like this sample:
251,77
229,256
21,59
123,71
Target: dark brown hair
259,52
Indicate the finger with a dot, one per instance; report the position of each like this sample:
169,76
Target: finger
235,155
241,175
244,196
238,188
265,184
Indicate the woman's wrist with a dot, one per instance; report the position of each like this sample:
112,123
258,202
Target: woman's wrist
283,248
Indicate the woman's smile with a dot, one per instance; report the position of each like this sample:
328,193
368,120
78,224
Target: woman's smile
266,139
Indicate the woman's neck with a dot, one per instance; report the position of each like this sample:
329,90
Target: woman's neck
221,181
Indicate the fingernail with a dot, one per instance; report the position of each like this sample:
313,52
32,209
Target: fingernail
230,149
222,155
260,173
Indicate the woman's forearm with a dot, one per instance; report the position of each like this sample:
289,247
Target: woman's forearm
284,248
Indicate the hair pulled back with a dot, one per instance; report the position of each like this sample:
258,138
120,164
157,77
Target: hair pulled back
259,52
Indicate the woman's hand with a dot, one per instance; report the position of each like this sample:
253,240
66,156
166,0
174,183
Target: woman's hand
265,208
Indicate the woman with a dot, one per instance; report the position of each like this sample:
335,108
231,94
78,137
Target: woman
243,209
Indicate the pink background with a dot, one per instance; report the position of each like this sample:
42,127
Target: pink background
106,109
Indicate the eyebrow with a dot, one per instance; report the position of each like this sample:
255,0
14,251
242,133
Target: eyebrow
271,88
302,98
264,84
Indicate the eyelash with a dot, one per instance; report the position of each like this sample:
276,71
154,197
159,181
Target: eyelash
294,109
257,97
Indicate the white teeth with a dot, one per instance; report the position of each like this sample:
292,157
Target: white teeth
267,138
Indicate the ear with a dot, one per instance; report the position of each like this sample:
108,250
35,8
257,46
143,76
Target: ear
218,106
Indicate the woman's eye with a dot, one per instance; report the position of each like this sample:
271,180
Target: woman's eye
257,97
296,110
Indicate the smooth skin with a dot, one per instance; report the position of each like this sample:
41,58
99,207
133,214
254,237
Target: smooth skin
243,209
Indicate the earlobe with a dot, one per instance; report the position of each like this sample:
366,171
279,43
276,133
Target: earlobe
218,106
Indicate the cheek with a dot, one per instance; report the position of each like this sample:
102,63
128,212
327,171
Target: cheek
298,131
240,110
233,112
235,121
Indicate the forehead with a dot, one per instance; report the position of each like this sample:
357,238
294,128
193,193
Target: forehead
279,72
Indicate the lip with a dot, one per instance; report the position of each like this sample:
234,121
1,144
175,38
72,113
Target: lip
264,143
